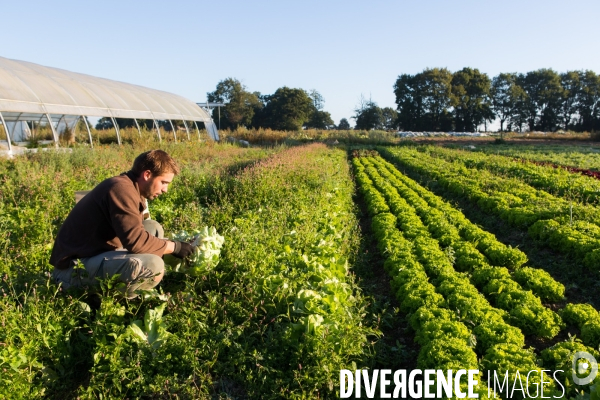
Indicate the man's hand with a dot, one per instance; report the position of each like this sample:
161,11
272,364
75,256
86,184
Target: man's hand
183,249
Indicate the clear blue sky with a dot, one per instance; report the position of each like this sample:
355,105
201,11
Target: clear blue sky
341,48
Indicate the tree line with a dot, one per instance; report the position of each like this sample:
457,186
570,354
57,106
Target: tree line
286,109
432,100
439,100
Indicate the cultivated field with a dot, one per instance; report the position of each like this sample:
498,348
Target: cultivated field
396,257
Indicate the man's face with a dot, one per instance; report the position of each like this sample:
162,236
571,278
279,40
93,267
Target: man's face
153,186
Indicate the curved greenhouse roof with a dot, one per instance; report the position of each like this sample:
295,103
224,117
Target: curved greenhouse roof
31,88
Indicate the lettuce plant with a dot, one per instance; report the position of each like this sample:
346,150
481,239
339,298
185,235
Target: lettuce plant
206,257
151,330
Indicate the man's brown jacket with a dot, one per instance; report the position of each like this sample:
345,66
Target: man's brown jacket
107,218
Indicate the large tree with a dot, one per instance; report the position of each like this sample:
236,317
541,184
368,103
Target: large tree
390,118
409,91
589,102
424,100
521,112
508,99
344,125
368,115
544,93
436,98
287,109
567,110
471,99
319,119
240,105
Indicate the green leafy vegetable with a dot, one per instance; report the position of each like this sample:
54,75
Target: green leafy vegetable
206,256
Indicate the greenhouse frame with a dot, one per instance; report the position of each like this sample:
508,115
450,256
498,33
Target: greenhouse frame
31,93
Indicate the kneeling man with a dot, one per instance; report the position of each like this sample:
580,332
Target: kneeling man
107,233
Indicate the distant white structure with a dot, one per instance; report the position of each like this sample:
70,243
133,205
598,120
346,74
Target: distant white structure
31,93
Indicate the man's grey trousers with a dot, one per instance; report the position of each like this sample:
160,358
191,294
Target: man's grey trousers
137,271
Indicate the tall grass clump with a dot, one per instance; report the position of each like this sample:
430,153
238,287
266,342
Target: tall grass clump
267,136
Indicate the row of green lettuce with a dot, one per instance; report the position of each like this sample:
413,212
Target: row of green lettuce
453,322
278,317
495,282
566,226
581,239
450,225
556,181
580,156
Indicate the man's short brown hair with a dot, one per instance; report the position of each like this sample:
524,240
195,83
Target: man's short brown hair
158,162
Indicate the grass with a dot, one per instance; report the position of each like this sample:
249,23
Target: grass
262,136
260,325
47,341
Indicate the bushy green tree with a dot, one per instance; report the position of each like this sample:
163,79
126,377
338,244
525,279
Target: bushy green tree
319,119
508,99
368,115
287,109
571,84
409,91
544,94
589,102
471,99
437,100
390,118
344,125
424,100
240,104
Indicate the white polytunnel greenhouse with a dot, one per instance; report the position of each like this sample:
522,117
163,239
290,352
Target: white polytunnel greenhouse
32,94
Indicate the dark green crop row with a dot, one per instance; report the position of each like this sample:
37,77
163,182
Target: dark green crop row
557,357
472,246
451,318
445,325
452,228
497,253
582,156
525,309
556,181
516,203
